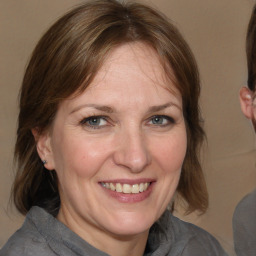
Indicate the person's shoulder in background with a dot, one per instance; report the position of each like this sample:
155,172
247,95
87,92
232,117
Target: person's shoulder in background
244,226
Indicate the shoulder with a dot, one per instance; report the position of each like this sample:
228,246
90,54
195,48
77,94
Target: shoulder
200,242
191,240
24,244
244,220
246,208
26,241
244,225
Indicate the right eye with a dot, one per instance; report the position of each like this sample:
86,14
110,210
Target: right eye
94,122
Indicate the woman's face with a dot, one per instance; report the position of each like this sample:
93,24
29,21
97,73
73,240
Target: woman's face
118,148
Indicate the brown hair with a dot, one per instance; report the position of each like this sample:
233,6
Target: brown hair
251,51
65,61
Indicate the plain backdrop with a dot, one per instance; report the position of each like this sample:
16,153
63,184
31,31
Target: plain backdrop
216,32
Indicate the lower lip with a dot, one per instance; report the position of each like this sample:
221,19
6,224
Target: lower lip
130,198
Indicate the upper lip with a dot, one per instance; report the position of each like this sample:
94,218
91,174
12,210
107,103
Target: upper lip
128,181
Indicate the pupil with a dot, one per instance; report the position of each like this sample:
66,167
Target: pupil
94,121
157,120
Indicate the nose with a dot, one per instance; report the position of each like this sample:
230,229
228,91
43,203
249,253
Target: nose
132,152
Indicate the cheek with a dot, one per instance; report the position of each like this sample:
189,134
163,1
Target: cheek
172,152
78,156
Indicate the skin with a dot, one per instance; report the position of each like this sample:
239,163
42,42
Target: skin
247,102
126,127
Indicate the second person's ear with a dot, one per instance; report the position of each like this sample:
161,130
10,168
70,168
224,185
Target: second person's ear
246,102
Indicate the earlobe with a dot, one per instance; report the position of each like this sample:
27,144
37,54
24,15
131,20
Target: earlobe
44,149
246,98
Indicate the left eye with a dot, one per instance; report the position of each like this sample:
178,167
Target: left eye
161,120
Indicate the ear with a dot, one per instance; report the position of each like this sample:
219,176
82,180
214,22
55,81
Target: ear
44,148
246,100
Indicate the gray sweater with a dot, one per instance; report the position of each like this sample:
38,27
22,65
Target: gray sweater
244,226
42,234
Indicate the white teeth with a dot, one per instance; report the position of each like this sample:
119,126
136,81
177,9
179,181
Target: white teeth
126,188
135,189
141,188
112,186
119,187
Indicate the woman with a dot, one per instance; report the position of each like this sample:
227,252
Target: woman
109,129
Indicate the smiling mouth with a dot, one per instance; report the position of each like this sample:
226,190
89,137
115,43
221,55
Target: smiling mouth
126,188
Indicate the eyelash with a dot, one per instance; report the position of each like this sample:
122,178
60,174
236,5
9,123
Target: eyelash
84,122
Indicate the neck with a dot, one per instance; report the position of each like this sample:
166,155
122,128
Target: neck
127,246
112,244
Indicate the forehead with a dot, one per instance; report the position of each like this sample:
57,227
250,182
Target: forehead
129,70
139,60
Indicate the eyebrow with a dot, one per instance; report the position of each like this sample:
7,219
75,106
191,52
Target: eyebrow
108,109
98,107
162,107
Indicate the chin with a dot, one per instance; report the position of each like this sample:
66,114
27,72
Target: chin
132,225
